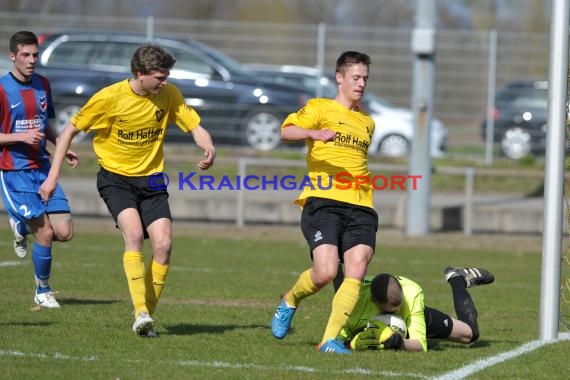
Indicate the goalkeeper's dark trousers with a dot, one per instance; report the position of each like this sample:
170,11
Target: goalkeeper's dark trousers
440,324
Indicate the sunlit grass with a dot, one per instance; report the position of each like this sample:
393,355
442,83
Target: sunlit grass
216,309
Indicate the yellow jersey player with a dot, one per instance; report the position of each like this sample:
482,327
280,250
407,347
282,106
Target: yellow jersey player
338,218
129,121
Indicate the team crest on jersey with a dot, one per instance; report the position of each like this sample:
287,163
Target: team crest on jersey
43,103
159,114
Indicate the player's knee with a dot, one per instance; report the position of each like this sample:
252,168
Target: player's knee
63,236
134,239
323,277
162,247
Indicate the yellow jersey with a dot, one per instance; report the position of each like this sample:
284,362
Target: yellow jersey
337,169
129,129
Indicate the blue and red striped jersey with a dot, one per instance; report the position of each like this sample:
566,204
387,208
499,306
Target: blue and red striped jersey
24,106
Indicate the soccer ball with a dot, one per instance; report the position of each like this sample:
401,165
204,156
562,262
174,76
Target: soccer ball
388,322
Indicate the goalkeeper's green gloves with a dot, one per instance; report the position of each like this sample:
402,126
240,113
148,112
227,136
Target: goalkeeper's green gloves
369,340
394,342
365,340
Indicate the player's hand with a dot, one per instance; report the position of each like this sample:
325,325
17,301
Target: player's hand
72,158
46,190
32,136
365,340
208,161
394,342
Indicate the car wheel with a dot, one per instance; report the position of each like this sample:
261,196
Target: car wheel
516,143
62,117
394,146
262,130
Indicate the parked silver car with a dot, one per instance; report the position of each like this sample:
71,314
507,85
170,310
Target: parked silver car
394,126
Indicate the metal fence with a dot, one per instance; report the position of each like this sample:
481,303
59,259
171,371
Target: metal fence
462,56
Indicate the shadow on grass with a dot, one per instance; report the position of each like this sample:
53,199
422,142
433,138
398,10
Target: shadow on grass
77,301
438,345
187,329
26,324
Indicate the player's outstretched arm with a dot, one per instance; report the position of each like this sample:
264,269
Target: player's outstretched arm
296,133
51,136
204,141
61,149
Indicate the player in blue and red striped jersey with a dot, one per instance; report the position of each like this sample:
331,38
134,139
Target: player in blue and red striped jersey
25,110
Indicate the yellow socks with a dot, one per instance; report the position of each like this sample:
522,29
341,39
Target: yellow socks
133,263
343,303
303,288
155,279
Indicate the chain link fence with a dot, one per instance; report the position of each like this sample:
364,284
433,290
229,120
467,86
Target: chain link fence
462,56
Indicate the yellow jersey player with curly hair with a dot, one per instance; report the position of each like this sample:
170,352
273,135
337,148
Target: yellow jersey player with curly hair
129,121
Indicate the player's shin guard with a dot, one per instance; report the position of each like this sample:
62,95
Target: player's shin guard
155,279
464,306
343,303
41,258
133,264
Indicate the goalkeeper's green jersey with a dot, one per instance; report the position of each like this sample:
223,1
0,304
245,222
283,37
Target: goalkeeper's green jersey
412,311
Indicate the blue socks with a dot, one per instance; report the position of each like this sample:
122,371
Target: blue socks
41,258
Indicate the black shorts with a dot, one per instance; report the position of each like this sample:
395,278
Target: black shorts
344,225
120,192
438,324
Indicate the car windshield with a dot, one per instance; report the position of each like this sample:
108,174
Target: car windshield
523,97
231,64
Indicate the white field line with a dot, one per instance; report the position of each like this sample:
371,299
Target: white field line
58,246
453,375
222,365
456,374
482,364
13,263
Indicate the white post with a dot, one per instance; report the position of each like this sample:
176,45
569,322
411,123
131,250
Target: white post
321,45
423,47
468,207
491,84
240,206
554,172
150,28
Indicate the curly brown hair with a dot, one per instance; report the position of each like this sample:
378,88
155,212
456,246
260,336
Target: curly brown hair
151,57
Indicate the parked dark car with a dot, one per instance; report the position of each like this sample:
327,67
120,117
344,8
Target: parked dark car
520,117
235,107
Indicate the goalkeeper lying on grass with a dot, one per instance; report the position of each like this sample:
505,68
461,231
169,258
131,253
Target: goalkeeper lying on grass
388,294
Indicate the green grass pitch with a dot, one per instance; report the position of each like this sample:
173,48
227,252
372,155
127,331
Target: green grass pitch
214,316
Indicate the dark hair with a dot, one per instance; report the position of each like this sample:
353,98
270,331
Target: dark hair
386,290
22,37
151,57
349,58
